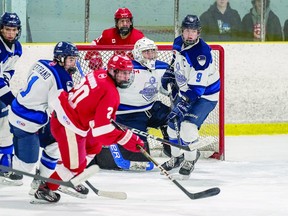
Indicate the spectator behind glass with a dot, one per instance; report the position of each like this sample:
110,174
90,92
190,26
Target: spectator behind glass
221,23
251,23
285,30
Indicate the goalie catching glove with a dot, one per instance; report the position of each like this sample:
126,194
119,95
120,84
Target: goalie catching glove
130,141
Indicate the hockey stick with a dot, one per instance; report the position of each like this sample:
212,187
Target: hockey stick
87,173
163,141
203,194
108,194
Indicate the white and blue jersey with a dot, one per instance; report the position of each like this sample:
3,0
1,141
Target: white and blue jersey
195,72
8,59
30,109
146,84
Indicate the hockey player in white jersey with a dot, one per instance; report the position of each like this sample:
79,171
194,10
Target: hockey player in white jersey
198,83
10,52
30,111
138,108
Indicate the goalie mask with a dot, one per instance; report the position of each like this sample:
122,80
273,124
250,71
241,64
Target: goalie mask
120,68
63,50
191,22
123,13
11,20
145,52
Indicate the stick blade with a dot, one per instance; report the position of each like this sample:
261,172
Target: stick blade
204,194
87,173
113,195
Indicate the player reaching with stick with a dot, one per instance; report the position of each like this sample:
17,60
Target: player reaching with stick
81,122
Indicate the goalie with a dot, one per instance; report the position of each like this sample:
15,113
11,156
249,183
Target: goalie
138,108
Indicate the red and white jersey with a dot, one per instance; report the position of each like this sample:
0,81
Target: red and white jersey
90,106
111,37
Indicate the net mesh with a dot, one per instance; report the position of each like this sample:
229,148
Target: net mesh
211,132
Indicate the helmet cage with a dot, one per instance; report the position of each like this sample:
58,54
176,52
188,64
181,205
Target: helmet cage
141,45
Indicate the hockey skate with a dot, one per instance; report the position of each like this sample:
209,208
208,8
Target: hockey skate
45,195
79,191
11,178
174,162
35,184
188,167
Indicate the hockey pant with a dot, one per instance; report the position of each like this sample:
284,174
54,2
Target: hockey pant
27,150
189,127
74,151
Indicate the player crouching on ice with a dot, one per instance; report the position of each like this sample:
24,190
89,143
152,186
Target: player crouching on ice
193,73
81,122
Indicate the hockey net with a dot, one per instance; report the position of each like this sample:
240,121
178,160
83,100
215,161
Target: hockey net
212,131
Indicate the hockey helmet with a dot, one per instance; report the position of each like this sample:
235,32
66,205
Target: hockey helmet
191,22
11,20
120,63
95,60
145,44
122,13
62,50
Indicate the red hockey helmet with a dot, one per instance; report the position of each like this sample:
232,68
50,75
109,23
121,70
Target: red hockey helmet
118,63
95,60
123,13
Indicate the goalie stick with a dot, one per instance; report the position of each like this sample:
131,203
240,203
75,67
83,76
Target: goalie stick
198,195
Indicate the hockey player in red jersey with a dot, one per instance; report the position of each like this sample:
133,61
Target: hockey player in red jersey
81,122
123,33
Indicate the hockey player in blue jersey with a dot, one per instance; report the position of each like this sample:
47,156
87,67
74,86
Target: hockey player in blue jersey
10,52
30,111
138,108
198,83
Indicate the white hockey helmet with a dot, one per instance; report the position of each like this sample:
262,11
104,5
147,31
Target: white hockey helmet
147,59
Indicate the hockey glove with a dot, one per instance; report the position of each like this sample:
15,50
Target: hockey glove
179,111
130,141
168,77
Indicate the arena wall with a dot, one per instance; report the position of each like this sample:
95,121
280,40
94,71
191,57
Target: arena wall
256,89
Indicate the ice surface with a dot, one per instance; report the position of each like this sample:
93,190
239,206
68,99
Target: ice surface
253,181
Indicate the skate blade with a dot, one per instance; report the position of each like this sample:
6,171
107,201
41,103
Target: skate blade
41,202
9,182
180,177
72,193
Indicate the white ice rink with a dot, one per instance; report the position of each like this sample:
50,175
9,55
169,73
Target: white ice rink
253,181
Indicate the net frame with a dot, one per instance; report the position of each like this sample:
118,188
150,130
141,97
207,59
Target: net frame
165,54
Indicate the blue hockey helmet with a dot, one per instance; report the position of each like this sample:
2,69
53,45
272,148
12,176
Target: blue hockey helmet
191,22
11,20
64,49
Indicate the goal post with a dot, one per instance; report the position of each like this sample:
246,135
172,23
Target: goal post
212,130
